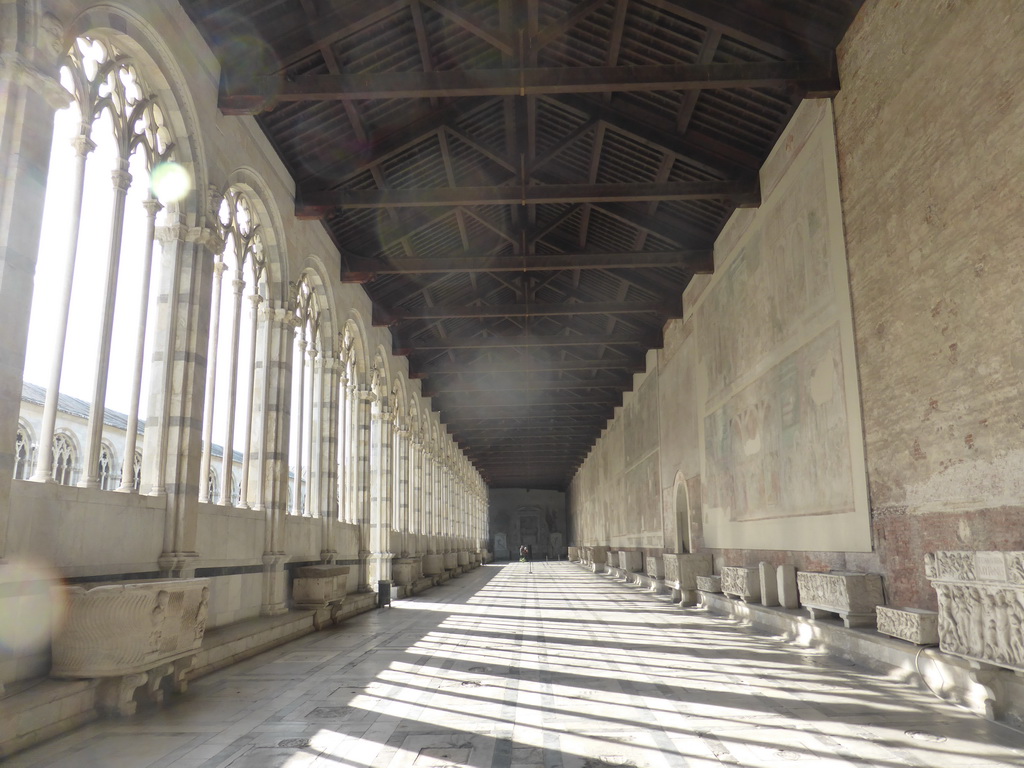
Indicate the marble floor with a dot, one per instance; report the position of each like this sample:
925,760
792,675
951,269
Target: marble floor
548,666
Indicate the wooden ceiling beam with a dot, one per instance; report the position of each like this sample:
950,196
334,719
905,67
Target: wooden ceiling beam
315,204
533,399
661,137
648,340
443,312
252,94
752,22
695,262
525,366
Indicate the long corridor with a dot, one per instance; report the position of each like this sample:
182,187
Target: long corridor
549,665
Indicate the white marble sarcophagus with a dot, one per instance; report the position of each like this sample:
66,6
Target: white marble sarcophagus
433,564
853,596
631,561
681,574
981,605
744,583
915,625
129,635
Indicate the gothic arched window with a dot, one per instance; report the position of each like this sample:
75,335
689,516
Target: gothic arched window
93,274
106,470
65,459
305,440
23,450
232,351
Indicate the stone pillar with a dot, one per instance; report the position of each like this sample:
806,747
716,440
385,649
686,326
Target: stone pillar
273,428
176,379
330,413
381,421
30,93
362,479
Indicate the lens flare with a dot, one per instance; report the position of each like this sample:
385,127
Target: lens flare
31,610
170,182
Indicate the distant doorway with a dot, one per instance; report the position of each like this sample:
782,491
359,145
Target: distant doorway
682,516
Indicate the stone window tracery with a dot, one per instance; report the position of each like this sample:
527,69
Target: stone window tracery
65,459
231,396
99,205
106,470
23,453
306,436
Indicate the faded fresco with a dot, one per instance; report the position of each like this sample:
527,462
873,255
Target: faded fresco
641,420
781,435
643,502
780,278
781,445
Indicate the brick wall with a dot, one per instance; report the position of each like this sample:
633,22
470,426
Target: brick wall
929,124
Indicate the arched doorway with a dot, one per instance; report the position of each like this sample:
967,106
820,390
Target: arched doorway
682,508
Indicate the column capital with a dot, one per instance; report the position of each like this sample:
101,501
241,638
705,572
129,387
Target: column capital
82,145
207,237
121,179
172,233
152,206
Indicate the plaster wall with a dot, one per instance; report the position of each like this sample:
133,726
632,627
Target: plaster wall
928,129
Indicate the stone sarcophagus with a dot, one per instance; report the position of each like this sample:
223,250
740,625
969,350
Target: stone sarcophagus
853,596
403,570
981,605
451,561
741,582
574,554
462,557
433,564
915,625
318,586
710,584
595,558
321,588
130,635
681,571
656,567
631,561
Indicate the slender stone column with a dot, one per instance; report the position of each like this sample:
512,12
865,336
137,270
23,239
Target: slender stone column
62,302
343,491
243,491
211,381
228,462
131,431
311,507
122,180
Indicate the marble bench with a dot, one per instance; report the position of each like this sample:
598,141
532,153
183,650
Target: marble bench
129,635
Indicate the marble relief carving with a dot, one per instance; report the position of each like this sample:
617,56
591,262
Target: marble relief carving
911,624
853,596
744,583
981,605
